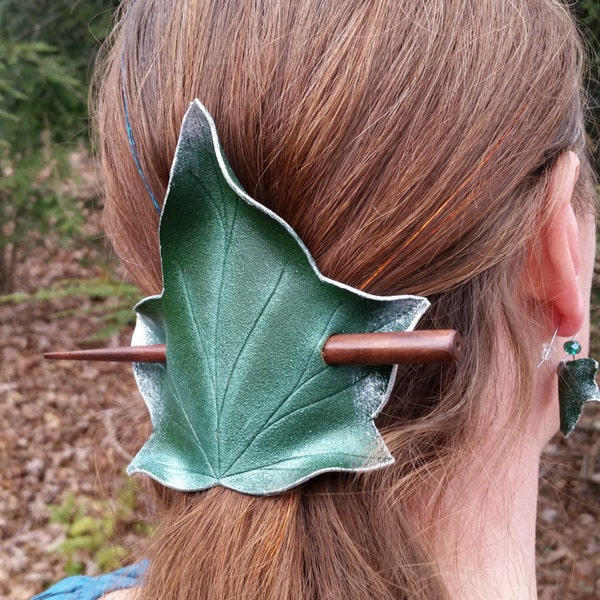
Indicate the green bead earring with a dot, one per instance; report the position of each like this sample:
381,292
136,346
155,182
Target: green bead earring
576,386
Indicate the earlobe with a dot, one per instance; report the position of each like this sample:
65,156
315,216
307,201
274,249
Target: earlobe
555,259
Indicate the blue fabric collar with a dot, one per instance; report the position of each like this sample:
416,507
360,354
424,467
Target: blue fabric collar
83,587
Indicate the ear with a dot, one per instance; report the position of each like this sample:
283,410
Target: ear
554,260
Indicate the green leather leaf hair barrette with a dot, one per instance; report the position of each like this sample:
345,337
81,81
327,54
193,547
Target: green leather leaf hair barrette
245,399
258,371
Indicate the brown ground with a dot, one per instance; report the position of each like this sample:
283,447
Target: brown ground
62,430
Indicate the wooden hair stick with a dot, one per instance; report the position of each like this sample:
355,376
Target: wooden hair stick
393,348
398,347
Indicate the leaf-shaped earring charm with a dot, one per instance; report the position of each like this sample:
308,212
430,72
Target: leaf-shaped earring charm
245,399
576,386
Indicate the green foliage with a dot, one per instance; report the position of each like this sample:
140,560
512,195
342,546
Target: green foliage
92,529
46,51
34,204
32,199
588,12
37,93
111,301
588,15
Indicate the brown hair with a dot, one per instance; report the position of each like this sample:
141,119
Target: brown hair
408,144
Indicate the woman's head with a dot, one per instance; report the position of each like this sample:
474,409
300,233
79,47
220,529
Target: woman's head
410,145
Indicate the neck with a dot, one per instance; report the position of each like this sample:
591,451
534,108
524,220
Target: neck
488,545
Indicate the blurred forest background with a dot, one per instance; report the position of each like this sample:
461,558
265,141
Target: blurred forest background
65,504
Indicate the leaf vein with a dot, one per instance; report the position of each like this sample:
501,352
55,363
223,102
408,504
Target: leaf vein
293,412
197,327
273,465
243,346
298,385
193,430
218,409
207,194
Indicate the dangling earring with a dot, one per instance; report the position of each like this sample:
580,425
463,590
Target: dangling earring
576,385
